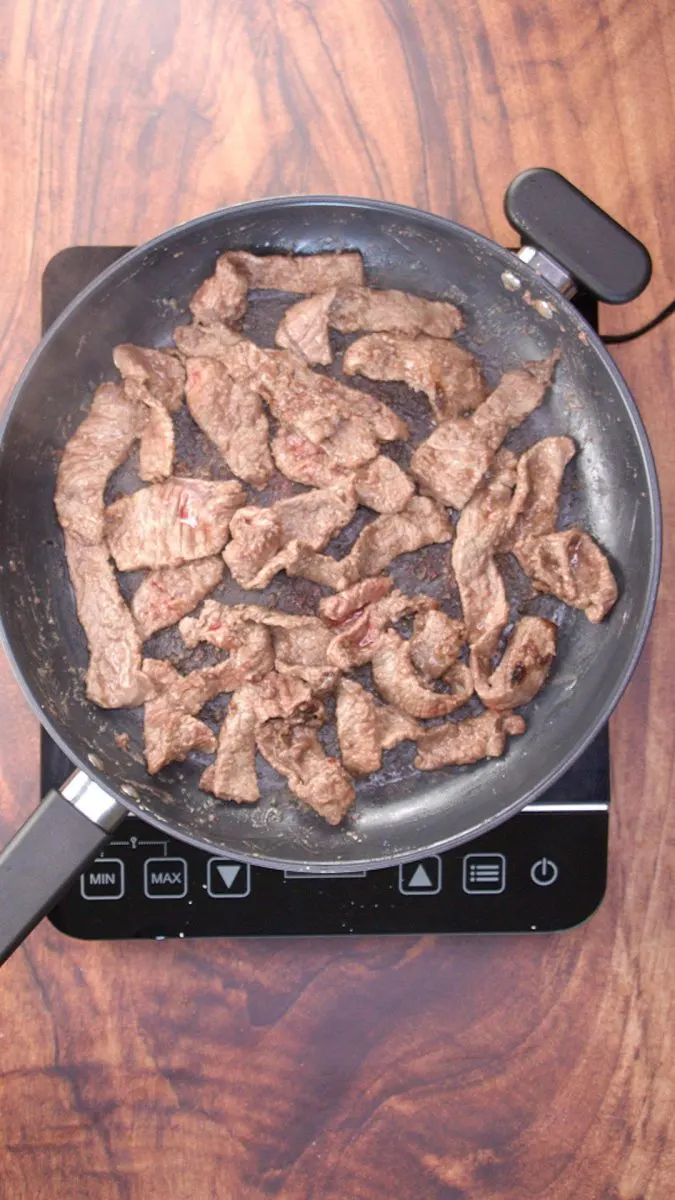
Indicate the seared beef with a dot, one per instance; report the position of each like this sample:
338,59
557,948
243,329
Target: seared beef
300,560
421,523
435,644
357,308
157,444
233,776
448,375
259,534
319,781
204,341
572,566
169,729
222,298
380,484
397,681
297,640
365,728
165,596
358,636
170,523
461,742
159,372
304,329
452,461
299,272
523,669
100,443
231,415
335,610
480,530
538,481
114,677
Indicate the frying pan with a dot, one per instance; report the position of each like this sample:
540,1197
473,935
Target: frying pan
513,313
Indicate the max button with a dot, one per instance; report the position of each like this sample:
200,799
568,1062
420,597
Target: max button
165,878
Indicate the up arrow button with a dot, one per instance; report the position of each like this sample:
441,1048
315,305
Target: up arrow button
421,878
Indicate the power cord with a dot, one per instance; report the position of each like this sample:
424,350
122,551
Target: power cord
613,339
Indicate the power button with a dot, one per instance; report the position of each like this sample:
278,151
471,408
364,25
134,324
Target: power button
544,872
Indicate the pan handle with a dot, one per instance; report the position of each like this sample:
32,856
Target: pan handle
571,241
53,846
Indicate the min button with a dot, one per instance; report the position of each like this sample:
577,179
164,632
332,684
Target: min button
103,880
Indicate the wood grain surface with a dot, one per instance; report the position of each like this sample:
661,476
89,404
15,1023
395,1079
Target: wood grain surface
345,1070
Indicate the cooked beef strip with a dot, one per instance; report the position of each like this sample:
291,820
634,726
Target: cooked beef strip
170,730
160,372
98,446
304,329
298,640
365,729
300,560
538,482
165,596
572,566
397,681
381,484
259,534
461,742
167,524
299,272
452,461
157,445
319,781
448,375
233,775
459,678
357,308
231,415
480,530
114,677
335,610
322,681
523,669
223,297
204,341
357,638
435,643
420,523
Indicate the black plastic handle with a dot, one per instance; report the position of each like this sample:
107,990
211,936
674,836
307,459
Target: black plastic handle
552,214
39,863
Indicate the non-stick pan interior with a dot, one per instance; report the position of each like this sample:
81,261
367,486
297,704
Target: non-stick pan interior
610,490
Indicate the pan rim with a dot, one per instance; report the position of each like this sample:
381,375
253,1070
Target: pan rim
447,227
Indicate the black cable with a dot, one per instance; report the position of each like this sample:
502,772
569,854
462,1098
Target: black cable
613,339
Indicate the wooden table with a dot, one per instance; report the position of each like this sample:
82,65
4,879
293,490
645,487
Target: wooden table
426,1068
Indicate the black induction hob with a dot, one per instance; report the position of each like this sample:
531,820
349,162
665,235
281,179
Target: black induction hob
543,870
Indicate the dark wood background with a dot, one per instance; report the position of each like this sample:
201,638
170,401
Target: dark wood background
413,1068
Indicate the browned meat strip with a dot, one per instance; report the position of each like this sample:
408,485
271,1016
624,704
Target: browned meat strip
169,728
395,312
358,636
572,566
397,681
300,560
335,610
523,669
298,640
462,742
204,341
157,444
435,643
99,445
421,523
170,523
304,329
452,461
480,530
258,535
233,775
114,677
159,372
222,298
380,484
448,375
365,728
319,781
231,415
538,481
165,596
299,272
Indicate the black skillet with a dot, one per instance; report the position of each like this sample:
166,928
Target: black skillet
513,313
